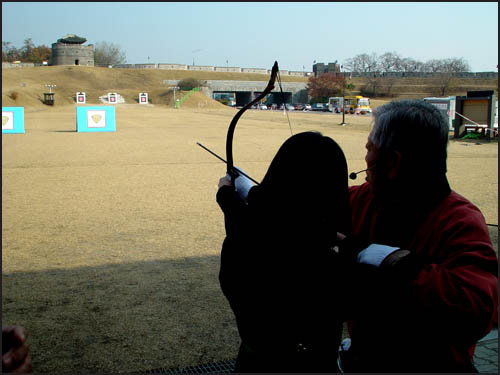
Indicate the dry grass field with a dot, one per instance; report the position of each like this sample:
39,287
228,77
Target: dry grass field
111,241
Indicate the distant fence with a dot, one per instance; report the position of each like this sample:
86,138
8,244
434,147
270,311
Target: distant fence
210,68
7,65
423,74
232,69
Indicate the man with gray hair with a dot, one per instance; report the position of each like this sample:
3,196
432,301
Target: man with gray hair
424,288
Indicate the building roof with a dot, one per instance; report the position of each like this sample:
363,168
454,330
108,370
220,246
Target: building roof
72,39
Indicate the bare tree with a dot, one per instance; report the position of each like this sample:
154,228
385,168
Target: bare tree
27,49
374,83
410,65
350,65
455,65
392,62
6,50
389,62
444,82
433,65
388,83
106,53
362,63
445,78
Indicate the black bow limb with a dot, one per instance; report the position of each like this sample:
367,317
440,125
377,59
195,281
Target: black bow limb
231,171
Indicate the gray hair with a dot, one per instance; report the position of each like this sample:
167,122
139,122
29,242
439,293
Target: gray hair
416,129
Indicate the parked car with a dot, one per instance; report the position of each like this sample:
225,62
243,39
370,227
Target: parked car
298,106
307,107
321,107
262,106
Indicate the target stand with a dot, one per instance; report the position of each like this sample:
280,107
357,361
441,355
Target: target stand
95,119
12,120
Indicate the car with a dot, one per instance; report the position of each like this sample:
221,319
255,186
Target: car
262,106
289,107
317,107
307,107
299,107
320,107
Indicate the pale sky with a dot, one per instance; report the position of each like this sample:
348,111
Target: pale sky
255,34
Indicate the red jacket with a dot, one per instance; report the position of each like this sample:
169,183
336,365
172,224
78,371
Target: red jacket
430,319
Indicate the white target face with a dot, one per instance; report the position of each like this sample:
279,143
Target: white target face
7,120
80,98
96,119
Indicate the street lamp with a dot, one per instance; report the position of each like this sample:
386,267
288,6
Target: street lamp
343,96
175,88
195,51
50,88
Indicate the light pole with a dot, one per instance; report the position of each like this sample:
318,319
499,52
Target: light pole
196,50
343,97
175,88
50,88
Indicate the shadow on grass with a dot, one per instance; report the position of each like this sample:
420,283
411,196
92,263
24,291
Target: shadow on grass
122,317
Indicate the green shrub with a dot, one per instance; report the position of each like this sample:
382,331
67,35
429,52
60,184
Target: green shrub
188,84
472,135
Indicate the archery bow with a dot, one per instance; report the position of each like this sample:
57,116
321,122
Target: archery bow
231,171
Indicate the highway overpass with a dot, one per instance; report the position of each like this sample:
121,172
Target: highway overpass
294,92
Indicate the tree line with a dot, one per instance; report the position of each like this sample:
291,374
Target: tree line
27,53
105,53
329,84
392,62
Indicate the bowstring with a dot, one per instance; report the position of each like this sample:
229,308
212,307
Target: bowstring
284,103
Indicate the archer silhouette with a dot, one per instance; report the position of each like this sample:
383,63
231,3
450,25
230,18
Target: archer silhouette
278,266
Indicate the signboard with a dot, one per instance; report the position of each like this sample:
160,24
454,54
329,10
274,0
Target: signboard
143,98
446,106
80,98
112,96
12,120
95,119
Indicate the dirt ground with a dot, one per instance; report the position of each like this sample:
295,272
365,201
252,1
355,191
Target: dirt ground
111,241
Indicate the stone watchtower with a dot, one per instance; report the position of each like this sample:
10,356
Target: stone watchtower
70,51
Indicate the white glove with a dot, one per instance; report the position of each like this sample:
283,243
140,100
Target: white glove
243,185
345,345
375,254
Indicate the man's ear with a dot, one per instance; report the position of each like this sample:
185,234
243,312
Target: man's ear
394,164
